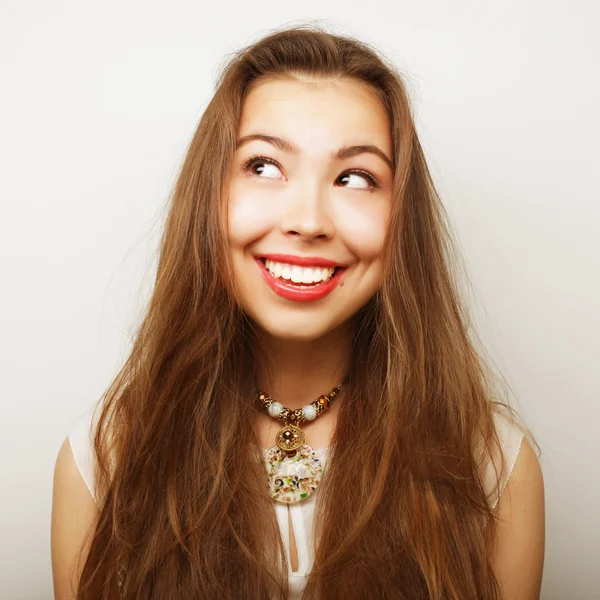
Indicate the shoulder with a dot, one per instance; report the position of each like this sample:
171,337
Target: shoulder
518,554
74,512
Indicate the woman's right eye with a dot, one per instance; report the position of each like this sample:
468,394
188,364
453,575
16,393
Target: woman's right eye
259,165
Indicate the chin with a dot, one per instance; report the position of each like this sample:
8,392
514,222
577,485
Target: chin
303,328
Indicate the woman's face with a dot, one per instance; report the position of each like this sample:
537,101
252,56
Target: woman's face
309,203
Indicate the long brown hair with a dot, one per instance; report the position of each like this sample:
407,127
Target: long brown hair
402,510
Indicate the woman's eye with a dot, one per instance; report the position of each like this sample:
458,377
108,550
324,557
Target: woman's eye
260,166
364,180
269,169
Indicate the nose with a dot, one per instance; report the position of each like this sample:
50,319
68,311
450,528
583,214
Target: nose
308,214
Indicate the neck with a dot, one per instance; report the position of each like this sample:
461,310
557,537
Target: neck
297,372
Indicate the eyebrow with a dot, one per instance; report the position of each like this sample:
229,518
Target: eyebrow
345,152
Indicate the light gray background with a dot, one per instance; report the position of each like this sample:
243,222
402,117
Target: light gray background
97,105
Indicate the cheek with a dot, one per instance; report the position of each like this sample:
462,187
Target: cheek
247,216
364,227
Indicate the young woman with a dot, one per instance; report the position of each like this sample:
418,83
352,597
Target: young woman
305,256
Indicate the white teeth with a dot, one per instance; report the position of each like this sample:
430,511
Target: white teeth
307,276
297,274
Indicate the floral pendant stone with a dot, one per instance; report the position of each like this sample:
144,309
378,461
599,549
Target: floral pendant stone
294,478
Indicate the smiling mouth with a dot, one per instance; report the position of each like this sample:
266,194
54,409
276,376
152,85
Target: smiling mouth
299,276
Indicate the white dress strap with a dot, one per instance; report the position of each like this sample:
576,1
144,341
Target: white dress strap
81,441
511,439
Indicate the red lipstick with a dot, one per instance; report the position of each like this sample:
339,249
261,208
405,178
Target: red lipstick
289,291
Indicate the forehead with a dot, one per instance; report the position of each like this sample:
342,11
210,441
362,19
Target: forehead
316,112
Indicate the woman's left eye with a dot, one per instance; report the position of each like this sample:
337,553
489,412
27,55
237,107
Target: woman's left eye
369,180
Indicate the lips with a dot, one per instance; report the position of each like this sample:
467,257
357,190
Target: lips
300,278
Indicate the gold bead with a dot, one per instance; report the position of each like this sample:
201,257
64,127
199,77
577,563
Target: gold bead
324,401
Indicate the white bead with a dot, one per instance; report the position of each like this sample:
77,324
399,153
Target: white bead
309,412
275,409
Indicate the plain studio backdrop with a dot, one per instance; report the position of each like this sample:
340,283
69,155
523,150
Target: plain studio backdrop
99,101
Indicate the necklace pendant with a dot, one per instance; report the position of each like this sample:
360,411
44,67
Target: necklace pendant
293,478
290,438
294,468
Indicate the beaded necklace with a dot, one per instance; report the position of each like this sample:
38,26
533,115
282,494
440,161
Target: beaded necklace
294,468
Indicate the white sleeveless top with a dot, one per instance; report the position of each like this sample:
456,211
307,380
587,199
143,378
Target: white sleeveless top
301,513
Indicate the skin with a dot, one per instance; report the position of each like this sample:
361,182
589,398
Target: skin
305,208
73,513
518,558
309,205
